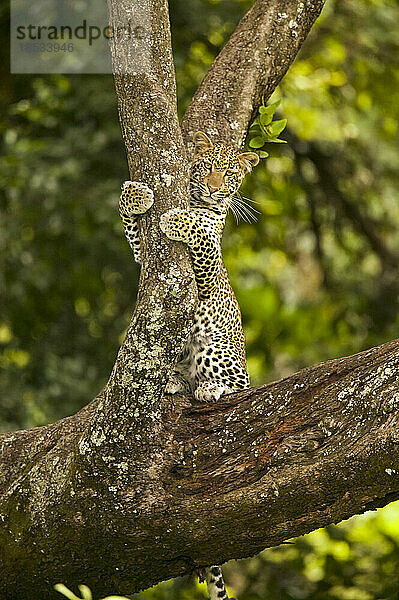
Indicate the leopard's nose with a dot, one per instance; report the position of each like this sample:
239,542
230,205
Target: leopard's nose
214,181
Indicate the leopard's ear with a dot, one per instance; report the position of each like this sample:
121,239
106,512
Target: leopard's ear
248,160
202,142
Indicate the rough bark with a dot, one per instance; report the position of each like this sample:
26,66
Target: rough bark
249,67
138,487
248,472
156,155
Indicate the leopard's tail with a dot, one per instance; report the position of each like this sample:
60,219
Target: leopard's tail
215,584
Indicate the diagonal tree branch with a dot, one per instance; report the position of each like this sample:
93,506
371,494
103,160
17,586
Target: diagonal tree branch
250,66
261,466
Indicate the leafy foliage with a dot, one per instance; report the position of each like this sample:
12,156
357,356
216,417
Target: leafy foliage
265,129
63,253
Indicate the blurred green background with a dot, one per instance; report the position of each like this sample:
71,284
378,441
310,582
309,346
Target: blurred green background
316,276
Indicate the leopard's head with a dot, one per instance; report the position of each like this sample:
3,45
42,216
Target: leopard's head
217,172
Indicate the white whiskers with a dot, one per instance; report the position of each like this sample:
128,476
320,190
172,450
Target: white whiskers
242,209
240,206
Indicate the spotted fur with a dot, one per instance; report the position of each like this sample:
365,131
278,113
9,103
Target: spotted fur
215,584
213,361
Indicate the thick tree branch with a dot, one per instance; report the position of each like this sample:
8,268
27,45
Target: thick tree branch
250,66
156,155
262,466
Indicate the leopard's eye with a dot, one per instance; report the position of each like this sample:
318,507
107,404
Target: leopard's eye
207,164
231,172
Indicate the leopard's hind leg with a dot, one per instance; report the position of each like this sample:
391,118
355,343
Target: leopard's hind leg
177,384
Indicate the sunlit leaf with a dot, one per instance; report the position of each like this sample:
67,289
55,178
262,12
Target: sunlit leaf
86,592
277,127
62,589
257,142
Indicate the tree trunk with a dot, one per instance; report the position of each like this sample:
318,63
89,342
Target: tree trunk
138,487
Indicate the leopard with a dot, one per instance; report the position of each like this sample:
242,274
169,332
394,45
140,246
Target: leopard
213,362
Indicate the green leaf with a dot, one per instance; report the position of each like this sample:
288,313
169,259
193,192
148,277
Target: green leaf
62,589
115,598
256,142
267,112
277,127
273,106
275,140
257,130
263,154
263,131
265,118
86,592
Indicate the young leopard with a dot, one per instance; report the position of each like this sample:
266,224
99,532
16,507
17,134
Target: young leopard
213,361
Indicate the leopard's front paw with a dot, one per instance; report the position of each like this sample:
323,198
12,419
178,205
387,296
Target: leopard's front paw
210,391
176,224
136,198
176,385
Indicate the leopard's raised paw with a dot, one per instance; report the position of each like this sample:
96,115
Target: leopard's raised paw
136,198
173,225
